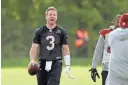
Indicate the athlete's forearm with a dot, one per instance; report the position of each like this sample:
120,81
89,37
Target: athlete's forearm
66,53
33,52
66,50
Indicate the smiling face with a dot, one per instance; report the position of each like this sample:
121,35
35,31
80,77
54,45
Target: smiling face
51,16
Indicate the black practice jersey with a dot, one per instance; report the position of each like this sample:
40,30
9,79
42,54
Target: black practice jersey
50,42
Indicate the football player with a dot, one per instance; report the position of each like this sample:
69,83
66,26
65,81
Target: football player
102,51
51,39
118,41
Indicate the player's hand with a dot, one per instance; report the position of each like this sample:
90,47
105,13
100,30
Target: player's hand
67,70
32,62
94,73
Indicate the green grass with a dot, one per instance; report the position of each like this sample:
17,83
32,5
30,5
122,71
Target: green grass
19,76
23,62
14,72
14,62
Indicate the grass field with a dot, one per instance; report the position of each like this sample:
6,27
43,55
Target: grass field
19,76
14,72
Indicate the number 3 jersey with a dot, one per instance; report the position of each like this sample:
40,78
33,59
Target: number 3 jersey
102,50
50,42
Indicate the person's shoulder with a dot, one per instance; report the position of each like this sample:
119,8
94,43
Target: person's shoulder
103,32
39,29
62,29
114,32
111,33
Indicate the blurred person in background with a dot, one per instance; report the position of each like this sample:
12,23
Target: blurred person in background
118,41
102,51
81,42
51,39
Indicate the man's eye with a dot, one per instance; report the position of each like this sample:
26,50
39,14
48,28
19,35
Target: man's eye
50,14
54,14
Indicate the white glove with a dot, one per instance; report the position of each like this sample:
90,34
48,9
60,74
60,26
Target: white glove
67,70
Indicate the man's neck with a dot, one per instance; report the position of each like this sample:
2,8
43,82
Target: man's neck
51,26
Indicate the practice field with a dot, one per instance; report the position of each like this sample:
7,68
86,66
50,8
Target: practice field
19,76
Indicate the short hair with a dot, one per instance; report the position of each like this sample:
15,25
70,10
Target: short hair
50,8
117,17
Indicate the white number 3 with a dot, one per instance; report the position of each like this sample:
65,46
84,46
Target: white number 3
52,44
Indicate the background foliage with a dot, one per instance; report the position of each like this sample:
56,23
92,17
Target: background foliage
21,17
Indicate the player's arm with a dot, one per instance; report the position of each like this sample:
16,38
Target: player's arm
33,65
98,51
65,48
96,57
66,53
35,46
33,52
67,60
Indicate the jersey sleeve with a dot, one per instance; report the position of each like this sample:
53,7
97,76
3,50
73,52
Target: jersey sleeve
36,37
64,38
98,51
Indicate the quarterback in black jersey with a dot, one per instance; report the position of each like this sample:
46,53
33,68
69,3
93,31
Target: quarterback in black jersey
51,39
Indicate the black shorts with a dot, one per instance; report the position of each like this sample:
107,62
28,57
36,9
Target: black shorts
53,76
104,76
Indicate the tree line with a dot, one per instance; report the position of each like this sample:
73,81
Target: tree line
21,17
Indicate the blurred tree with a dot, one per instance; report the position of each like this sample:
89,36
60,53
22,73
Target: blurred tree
21,17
